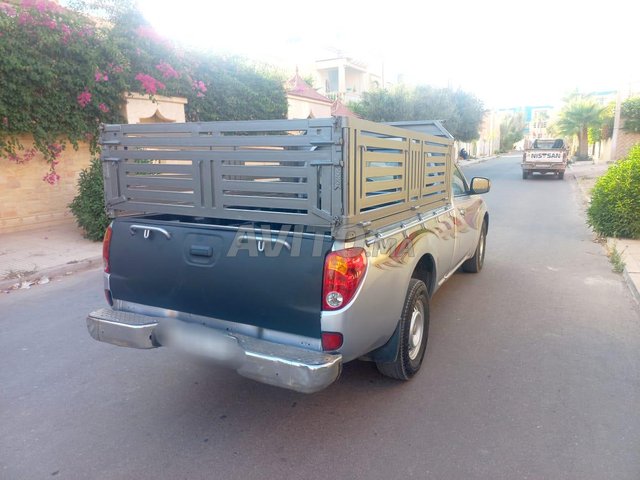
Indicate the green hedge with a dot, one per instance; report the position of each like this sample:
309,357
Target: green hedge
615,199
88,205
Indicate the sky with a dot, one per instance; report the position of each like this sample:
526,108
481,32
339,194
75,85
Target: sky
508,54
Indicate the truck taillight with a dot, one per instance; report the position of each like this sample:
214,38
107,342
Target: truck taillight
343,273
106,245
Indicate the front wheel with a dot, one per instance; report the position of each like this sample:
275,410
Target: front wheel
524,175
475,263
414,331
560,175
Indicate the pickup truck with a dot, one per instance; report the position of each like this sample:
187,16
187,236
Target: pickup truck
545,156
284,248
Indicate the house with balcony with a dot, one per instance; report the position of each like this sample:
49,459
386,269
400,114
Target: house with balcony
346,79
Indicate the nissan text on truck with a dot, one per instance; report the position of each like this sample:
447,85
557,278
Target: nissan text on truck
284,248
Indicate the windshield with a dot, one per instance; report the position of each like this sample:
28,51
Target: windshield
547,144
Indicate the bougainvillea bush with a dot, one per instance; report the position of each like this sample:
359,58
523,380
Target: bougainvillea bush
62,73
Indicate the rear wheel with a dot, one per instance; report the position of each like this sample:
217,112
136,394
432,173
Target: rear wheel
475,263
524,175
560,175
414,331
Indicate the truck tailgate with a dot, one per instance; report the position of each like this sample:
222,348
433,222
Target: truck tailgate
544,156
269,281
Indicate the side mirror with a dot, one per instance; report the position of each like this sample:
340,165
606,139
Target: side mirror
480,185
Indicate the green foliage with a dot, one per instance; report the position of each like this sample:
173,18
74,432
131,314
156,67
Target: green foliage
48,59
630,113
460,111
604,129
615,200
62,74
88,206
384,105
615,257
576,117
511,131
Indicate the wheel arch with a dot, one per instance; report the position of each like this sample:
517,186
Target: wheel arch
425,270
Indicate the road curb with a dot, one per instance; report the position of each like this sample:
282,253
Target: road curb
51,273
635,290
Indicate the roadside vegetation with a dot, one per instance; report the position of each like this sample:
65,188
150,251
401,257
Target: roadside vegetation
88,206
615,199
615,257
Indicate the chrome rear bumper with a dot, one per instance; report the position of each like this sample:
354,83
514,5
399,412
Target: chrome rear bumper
305,371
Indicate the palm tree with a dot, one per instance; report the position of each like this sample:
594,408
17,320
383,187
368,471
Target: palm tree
576,118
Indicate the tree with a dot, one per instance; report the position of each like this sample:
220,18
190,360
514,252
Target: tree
576,117
630,113
511,131
384,105
461,112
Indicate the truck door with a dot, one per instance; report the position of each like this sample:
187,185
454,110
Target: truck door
466,213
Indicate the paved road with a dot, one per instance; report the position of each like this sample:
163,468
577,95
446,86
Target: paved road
531,373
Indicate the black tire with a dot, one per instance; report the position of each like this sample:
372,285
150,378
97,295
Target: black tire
524,175
415,316
560,175
475,263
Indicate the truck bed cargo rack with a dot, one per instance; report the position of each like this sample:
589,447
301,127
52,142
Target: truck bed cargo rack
328,172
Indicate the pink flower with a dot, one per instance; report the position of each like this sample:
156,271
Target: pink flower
100,76
25,19
167,70
149,84
7,9
84,98
51,178
103,108
28,155
200,87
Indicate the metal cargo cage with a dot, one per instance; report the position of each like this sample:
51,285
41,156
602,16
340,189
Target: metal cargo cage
317,172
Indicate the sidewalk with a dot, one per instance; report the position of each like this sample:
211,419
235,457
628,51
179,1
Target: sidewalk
37,256
586,174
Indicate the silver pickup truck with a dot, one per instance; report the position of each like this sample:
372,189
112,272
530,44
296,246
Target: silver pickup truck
284,248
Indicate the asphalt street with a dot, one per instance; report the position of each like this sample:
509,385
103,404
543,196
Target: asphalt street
532,372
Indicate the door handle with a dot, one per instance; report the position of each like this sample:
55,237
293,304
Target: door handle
201,250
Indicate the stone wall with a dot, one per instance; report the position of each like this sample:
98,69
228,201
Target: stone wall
28,202
625,141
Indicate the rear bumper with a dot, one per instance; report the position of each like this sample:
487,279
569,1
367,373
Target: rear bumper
305,371
532,167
